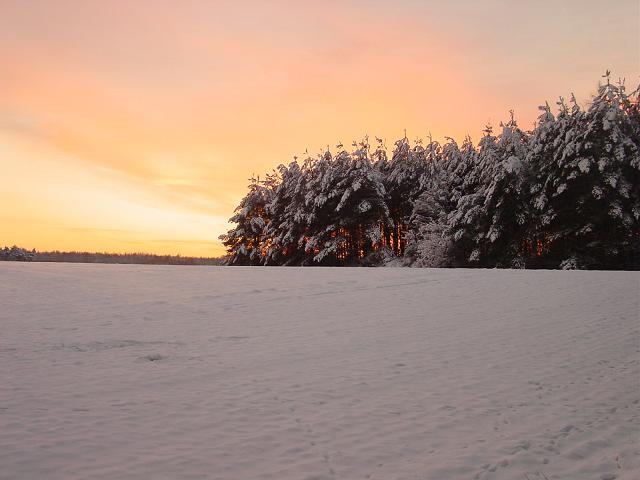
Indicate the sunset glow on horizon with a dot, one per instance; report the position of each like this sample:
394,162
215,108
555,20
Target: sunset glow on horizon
133,126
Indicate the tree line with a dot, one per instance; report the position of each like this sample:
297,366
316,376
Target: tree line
564,195
18,254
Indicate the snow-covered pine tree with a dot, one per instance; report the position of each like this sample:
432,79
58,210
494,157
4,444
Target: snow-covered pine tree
587,189
247,243
380,159
402,185
506,201
288,215
363,203
346,204
442,186
467,223
320,203
548,134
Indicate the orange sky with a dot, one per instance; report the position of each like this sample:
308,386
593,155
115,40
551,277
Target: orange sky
133,126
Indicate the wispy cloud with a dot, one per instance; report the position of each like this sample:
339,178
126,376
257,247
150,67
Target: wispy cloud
23,124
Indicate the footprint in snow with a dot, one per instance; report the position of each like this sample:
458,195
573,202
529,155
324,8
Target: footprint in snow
154,357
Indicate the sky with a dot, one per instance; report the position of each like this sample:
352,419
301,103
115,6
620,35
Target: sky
134,126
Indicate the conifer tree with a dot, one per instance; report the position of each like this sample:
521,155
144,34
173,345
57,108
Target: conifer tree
587,189
467,224
402,185
506,201
288,215
246,243
346,203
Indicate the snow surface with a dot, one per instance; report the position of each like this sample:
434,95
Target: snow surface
159,372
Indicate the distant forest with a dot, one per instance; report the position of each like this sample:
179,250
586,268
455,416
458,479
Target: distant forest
20,254
564,195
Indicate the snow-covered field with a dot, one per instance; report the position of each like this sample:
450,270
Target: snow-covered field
152,372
